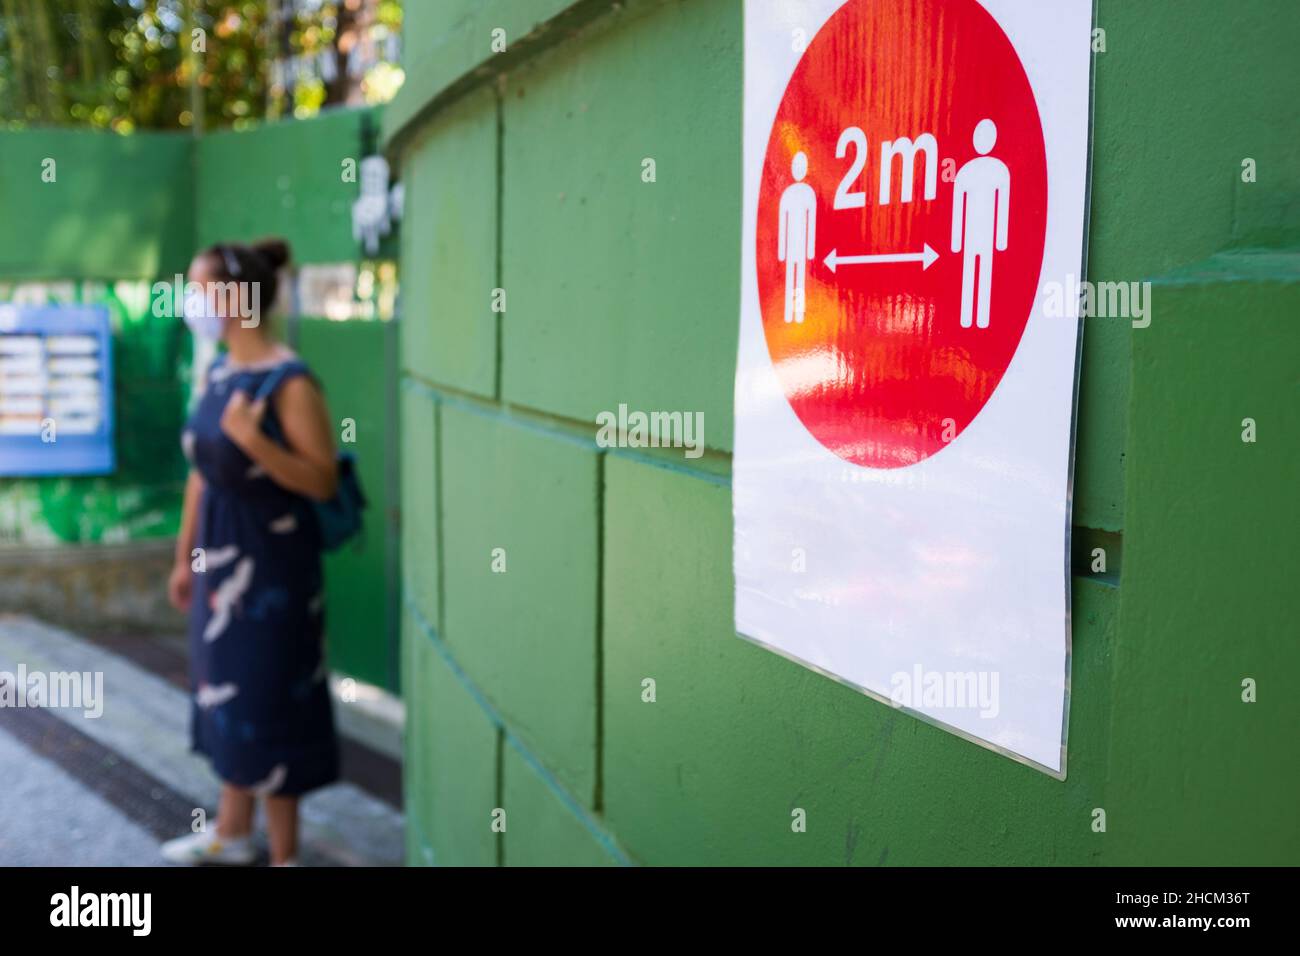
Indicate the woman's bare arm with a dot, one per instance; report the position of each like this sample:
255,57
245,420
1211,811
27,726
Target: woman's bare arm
189,517
181,580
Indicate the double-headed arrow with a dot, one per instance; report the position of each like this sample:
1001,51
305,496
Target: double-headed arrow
926,257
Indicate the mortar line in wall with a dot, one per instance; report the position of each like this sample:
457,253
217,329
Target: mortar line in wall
580,812
438,537
598,796
501,793
566,429
500,235
560,28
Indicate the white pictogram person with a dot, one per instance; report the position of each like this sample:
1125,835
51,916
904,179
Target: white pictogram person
980,204
796,245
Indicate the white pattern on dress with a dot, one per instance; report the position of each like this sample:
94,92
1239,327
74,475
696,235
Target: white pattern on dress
220,557
224,598
273,782
285,524
211,695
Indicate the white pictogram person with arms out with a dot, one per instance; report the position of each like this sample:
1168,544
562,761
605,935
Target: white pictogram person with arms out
981,201
796,245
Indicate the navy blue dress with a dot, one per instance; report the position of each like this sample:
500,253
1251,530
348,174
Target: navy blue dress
261,709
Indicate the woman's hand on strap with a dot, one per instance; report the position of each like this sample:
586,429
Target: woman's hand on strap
307,466
242,420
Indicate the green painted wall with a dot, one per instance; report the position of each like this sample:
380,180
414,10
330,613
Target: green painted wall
524,687
1208,584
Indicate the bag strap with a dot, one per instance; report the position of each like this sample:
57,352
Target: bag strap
272,380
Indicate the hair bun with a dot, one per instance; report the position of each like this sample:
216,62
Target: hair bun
274,251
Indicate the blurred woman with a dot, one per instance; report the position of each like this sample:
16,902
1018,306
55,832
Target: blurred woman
248,564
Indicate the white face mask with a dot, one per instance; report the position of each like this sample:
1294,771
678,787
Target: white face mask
202,323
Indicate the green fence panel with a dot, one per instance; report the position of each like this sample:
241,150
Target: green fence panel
353,361
285,179
83,204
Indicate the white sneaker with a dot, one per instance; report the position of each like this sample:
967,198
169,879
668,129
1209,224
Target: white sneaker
197,849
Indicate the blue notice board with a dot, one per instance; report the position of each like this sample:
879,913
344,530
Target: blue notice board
56,390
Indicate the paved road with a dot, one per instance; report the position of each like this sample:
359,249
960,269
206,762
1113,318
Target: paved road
49,817
104,791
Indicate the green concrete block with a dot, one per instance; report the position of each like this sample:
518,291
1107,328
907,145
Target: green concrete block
416,305
449,331
443,42
527,636
419,450
540,829
417,768
738,738
1200,776
451,760
637,283
1163,194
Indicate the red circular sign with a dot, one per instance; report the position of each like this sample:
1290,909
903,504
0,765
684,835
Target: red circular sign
890,322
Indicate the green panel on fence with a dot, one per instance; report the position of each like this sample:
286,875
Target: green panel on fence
82,204
283,179
349,359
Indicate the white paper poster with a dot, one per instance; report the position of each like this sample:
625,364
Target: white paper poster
914,201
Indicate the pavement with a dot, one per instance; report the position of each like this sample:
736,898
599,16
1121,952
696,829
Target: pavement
83,790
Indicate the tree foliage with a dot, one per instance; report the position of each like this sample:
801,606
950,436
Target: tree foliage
163,64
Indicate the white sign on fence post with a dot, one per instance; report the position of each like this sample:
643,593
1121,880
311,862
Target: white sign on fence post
915,178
